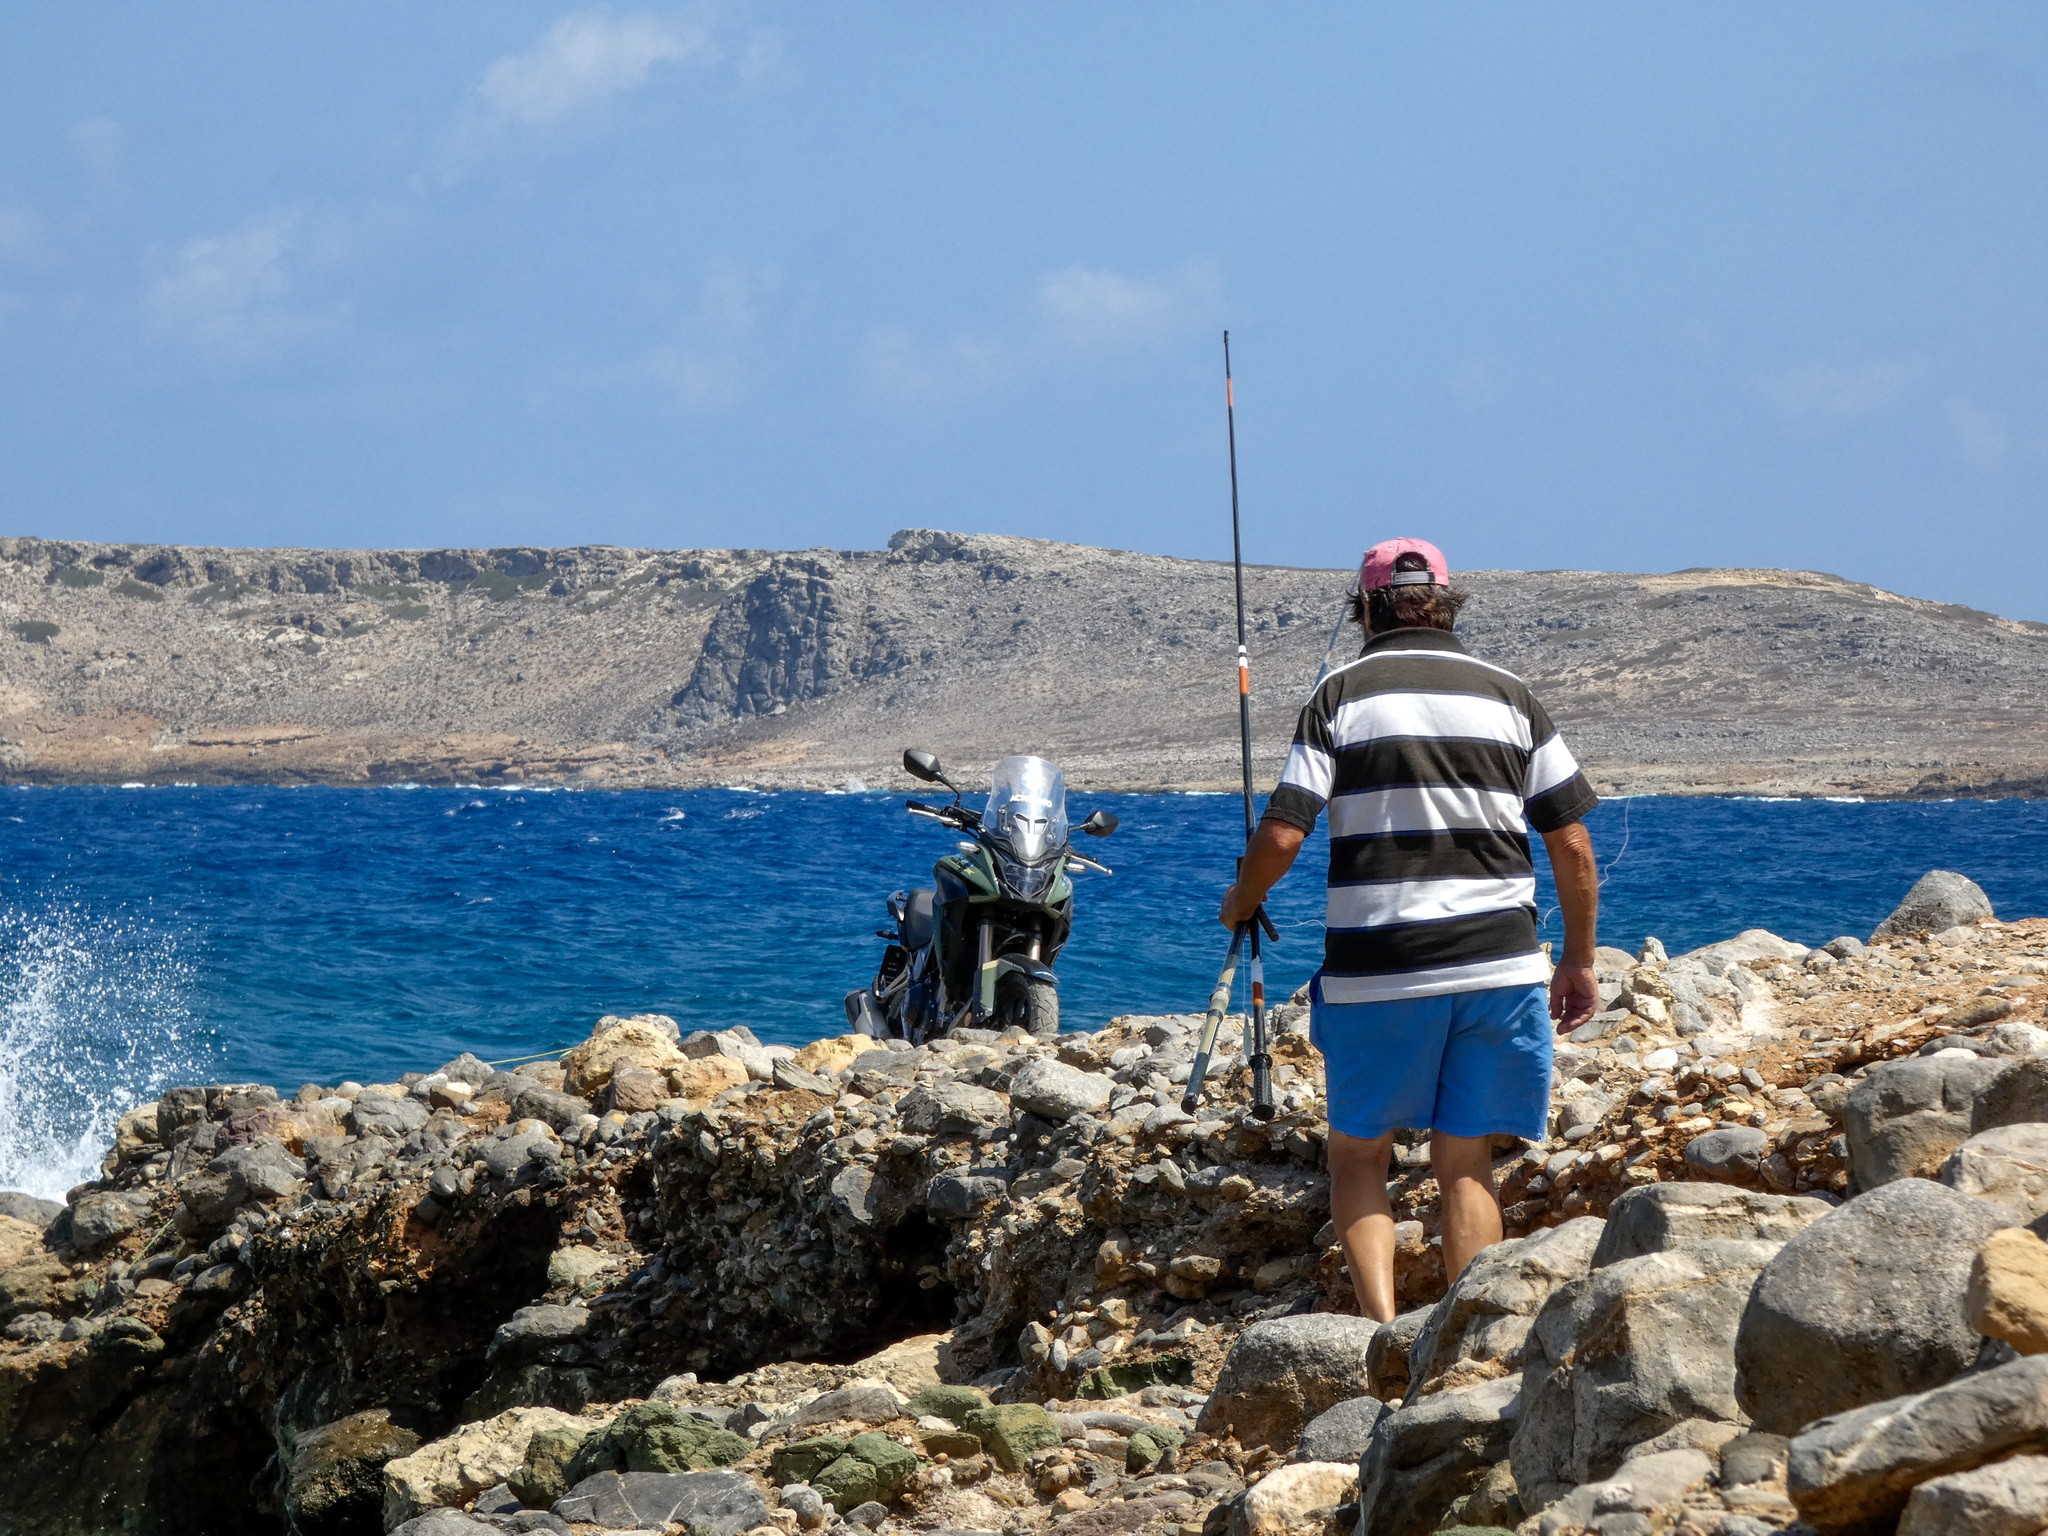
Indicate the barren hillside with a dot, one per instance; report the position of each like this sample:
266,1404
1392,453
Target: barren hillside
615,666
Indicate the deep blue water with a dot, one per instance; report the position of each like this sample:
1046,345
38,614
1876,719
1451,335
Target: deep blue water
292,935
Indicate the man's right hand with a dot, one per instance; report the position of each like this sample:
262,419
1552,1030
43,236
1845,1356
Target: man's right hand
1236,911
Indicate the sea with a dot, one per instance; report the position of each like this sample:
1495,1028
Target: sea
151,936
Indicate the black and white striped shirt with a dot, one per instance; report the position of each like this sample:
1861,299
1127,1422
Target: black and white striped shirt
1434,766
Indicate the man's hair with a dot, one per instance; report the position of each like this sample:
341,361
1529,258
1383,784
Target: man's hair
1408,607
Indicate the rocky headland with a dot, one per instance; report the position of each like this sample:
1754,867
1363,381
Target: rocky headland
1771,1272
593,665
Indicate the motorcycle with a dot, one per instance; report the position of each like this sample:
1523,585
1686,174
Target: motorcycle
977,946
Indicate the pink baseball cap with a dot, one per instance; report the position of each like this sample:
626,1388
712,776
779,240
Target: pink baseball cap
1378,568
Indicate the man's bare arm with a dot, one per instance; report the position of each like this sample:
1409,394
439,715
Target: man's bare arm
1574,995
1268,856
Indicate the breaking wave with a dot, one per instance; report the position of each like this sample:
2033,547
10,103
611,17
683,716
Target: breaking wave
94,1020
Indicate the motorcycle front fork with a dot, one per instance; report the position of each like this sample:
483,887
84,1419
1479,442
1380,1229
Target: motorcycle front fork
985,973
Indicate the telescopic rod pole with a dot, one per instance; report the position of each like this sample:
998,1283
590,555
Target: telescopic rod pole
1261,1058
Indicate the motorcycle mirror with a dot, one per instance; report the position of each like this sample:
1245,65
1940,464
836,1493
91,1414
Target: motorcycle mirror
1099,824
922,765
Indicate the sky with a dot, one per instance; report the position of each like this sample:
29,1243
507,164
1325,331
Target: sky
1599,286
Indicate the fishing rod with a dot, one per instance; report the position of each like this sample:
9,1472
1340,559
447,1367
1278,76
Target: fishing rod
1260,1058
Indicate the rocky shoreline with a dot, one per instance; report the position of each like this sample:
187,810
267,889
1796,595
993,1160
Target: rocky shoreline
1769,1273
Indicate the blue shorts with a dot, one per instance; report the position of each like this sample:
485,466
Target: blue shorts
1464,1063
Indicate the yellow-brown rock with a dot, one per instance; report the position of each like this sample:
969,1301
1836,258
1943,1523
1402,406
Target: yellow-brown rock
2008,1295
588,1067
18,1239
825,1057
698,1082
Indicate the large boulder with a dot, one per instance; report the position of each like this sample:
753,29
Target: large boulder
1341,1433
1283,1372
2018,1095
1284,1498
1429,1453
2008,1295
1386,1359
456,1468
100,1219
951,1109
1657,1217
2006,1498
1637,1347
1055,1091
707,1503
1854,1471
1655,1481
1488,1310
1747,947
637,1041
1940,899
2006,1166
1904,1119
656,1437
334,1483
1865,1304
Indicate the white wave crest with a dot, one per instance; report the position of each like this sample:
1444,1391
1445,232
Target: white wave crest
93,1021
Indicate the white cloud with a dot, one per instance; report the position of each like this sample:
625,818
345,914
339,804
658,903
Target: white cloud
1091,312
586,58
1823,390
1981,436
230,293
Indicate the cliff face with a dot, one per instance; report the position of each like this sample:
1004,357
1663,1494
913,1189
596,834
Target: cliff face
679,667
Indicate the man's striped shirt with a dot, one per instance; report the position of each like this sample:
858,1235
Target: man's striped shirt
1434,766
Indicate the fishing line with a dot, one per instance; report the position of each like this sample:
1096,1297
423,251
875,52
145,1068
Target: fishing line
1627,804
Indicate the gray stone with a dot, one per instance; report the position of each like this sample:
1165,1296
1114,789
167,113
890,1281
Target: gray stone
787,1075
1847,947
1430,1452
868,1516
1055,1091
374,1114
708,1503
1285,1371
951,1109
1754,1457
531,1332
558,1111
1865,1304
98,1220
1488,1310
854,1197
2006,1166
1940,899
806,1503
1636,1348
1904,1119
868,1404
1657,1217
1646,1483
1730,1154
2006,1498
2017,1095
265,1170
1386,1359
960,1195
1747,947
443,1522
468,1068
28,1208
1855,1470
334,1481
507,1156
1341,1433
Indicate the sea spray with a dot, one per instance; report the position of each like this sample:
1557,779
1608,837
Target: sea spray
94,1019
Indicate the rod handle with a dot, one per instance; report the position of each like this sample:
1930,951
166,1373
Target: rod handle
1262,1086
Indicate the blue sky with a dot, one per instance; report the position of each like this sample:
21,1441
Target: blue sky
1604,286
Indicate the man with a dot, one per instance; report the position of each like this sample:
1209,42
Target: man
1430,1007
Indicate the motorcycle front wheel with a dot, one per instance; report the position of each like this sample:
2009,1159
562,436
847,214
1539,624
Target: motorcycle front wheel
1033,1005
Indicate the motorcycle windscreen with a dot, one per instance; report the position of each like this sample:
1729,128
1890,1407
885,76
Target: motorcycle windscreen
1027,808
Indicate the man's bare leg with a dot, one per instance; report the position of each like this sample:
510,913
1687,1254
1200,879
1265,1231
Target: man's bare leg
1364,1219
1464,1179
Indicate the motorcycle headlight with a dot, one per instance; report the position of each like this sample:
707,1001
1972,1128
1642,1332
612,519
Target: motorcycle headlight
1029,881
